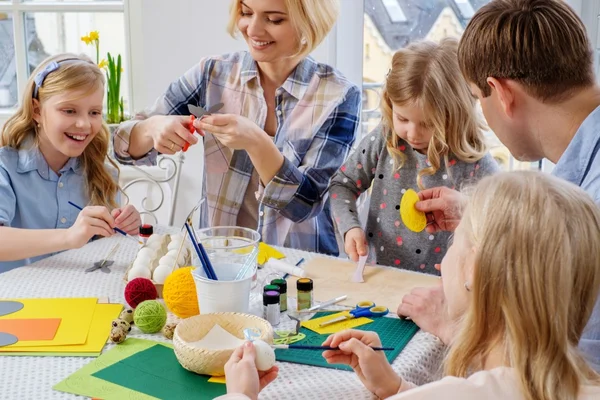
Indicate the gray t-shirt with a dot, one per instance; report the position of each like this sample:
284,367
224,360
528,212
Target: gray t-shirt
390,242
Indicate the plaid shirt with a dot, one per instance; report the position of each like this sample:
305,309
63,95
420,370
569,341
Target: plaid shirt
317,113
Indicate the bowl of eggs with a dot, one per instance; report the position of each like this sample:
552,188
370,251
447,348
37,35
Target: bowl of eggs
205,342
158,258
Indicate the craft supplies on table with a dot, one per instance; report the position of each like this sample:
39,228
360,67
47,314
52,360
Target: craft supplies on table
304,293
146,230
316,324
180,293
384,286
360,269
366,309
282,266
394,333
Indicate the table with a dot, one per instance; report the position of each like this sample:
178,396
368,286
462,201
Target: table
63,275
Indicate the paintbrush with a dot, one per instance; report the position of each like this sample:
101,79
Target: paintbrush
122,232
306,347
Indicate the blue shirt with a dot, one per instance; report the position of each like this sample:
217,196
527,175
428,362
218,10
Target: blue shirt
317,113
580,164
33,196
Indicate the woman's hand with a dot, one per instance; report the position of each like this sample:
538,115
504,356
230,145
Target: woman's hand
233,131
127,219
371,366
241,373
169,133
355,243
91,221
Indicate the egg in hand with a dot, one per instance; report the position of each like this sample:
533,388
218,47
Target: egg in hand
265,355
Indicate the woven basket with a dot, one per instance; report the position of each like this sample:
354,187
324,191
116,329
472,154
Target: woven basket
212,362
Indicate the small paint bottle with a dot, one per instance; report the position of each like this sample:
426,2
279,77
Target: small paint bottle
271,307
146,231
282,285
304,287
271,287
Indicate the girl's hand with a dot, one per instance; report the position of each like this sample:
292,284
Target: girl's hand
127,219
371,366
355,243
91,221
241,373
169,133
233,131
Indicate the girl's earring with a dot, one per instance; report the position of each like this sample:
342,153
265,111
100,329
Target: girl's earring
303,41
467,287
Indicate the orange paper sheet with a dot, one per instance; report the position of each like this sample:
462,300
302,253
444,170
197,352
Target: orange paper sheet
31,329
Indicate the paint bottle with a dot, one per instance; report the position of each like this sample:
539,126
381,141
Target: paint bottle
304,287
271,287
146,231
271,307
282,284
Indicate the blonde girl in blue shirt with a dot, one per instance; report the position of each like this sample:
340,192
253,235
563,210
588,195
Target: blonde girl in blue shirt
53,151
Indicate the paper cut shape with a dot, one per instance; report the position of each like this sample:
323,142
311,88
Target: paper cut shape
414,219
99,330
218,339
6,339
265,252
313,324
9,307
360,269
31,329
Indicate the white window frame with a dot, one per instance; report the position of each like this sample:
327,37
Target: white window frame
18,9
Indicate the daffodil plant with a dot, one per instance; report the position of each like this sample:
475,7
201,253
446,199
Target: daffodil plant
114,101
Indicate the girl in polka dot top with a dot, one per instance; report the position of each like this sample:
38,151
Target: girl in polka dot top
431,135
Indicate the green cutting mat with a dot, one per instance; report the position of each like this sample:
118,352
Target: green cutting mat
394,332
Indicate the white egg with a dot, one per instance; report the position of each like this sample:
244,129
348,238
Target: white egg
147,253
155,238
154,245
138,273
161,272
142,263
180,260
177,237
167,259
265,355
174,245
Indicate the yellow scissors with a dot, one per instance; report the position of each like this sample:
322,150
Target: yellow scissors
363,309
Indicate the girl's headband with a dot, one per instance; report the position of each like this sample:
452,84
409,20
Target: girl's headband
51,67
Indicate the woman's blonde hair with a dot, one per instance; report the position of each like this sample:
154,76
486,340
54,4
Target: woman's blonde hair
75,73
535,283
312,20
426,75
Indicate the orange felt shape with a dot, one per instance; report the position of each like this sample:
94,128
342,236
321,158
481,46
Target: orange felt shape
31,329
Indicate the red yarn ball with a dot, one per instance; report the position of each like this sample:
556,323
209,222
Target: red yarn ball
138,290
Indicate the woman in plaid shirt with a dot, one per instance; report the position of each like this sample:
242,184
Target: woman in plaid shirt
287,125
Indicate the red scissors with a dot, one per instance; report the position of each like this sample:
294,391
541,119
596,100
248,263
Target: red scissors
197,112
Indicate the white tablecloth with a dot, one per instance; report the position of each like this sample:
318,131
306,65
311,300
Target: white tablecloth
63,275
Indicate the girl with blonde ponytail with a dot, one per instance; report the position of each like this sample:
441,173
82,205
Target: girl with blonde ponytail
54,151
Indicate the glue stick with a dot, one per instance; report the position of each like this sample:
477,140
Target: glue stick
284,267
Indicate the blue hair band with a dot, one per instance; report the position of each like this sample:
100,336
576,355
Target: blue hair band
41,76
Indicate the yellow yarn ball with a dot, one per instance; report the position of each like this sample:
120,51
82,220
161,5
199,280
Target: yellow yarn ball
179,293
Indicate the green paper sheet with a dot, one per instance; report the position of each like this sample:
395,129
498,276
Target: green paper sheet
156,372
394,332
82,382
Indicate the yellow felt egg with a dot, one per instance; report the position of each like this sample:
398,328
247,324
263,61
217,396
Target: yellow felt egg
414,219
179,293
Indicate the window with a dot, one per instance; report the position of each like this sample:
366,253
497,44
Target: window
32,30
392,24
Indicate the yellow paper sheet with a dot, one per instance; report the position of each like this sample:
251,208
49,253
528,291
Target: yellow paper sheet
217,379
383,286
265,252
99,331
313,324
76,315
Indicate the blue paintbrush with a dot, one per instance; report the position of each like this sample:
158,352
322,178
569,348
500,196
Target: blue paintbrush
305,347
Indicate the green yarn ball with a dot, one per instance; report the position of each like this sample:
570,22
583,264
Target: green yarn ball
150,316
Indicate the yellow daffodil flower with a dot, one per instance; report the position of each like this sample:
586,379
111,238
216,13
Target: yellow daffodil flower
86,39
103,63
94,35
